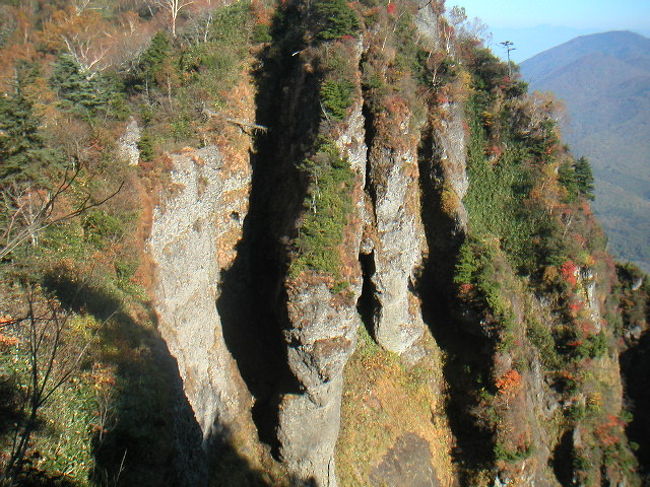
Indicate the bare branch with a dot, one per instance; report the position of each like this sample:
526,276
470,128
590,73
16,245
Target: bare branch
28,218
173,7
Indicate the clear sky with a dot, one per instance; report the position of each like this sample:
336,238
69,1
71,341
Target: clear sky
541,24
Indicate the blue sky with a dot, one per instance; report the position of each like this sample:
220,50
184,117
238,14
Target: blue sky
537,25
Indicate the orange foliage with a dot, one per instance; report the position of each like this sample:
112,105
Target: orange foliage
610,432
509,383
7,341
587,327
575,307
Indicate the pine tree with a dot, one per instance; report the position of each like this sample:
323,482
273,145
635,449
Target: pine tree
154,59
22,153
567,178
78,90
335,19
584,178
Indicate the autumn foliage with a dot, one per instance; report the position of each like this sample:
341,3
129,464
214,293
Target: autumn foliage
569,272
509,383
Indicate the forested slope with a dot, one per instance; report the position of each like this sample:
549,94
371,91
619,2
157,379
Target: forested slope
604,80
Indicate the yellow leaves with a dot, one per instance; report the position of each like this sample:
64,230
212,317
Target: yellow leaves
551,274
586,259
8,341
103,377
450,201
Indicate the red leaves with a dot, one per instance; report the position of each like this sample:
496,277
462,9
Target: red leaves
575,307
569,272
442,98
494,150
466,288
610,432
391,8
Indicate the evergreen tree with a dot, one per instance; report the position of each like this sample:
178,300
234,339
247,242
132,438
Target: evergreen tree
567,178
334,19
22,152
78,90
154,60
584,178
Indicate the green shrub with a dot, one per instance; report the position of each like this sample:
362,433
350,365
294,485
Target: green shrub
145,146
231,25
594,346
261,33
334,19
327,209
102,228
504,454
575,412
542,338
336,97
499,200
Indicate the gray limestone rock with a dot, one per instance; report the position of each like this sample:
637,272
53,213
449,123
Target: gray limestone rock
184,246
426,22
407,464
449,142
128,144
398,248
321,337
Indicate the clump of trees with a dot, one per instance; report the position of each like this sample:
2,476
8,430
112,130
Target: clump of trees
334,19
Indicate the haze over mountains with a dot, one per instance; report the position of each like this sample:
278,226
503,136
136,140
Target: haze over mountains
604,79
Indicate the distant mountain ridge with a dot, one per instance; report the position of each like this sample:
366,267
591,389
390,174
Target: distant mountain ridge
604,79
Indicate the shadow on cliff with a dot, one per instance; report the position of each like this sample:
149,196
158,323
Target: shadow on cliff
253,300
635,364
468,354
148,435
151,436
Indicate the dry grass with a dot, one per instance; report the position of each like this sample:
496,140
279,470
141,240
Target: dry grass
383,399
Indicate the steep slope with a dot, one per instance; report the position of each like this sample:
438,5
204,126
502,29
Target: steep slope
604,79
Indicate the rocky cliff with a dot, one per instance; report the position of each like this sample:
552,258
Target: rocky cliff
375,148
300,243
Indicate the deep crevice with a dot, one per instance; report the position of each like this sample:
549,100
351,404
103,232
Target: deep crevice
635,363
253,300
468,357
369,135
367,305
562,459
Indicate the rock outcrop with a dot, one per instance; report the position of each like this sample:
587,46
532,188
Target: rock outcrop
185,245
128,143
397,230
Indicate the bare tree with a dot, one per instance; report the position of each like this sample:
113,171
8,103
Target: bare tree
54,354
173,7
509,47
28,212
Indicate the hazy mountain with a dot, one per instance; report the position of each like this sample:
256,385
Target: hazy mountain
530,41
604,79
